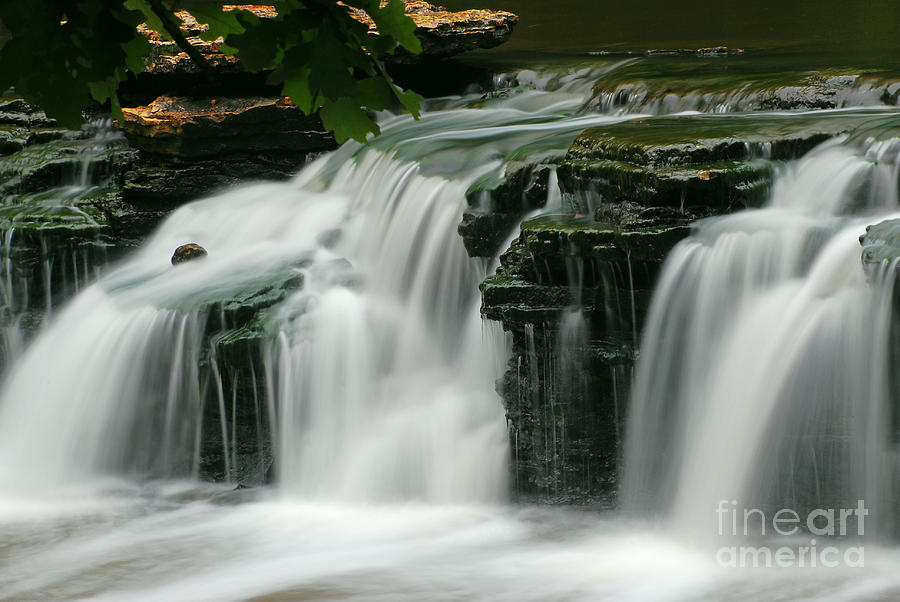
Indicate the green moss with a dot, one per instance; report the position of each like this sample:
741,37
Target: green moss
711,138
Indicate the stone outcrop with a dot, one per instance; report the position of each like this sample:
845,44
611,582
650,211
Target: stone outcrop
573,293
232,360
574,287
700,165
492,213
713,80
197,127
442,32
880,247
446,33
188,252
199,132
194,146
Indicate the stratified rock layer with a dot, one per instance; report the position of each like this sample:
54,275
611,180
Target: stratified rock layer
574,288
206,127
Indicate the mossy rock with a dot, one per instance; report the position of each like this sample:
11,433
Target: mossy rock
707,139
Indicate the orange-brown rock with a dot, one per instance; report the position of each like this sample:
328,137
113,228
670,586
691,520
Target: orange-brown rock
445,33
196,127
442,33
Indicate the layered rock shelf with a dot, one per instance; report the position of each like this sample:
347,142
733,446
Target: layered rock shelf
574,287
724,80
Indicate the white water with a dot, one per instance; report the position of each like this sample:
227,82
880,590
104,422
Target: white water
391,445
764,369
65,269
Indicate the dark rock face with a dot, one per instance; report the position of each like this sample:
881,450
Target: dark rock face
191,147
208,127
56,189
232,364
492,214
573,293
188,252
574,288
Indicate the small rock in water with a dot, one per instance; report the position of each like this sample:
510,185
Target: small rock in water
188,252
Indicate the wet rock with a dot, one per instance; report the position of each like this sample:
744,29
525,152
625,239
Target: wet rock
880,247
494,212
233,358
188,252
206,127
672,81
160,183
40,167
17,111
700,164
564,389
195,146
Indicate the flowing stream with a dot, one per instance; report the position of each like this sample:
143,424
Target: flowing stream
391,478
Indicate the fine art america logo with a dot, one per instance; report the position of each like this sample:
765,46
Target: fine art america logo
796,536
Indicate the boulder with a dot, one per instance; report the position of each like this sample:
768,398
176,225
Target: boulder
188,252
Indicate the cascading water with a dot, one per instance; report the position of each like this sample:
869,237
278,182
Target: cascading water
763,381
380,372
391,451
51,248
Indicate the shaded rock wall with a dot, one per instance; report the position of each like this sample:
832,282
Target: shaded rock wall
574,287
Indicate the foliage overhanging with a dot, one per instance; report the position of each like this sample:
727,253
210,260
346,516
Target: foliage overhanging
60,54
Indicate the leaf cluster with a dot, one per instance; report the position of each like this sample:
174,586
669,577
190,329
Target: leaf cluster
62,53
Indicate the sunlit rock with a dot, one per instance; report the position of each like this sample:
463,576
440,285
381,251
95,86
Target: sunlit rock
193,127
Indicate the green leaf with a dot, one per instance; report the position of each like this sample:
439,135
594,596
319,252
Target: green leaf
221,23
135,50
410,100
258,47
331,63
347,120
374,93
392,21
296,86
153,22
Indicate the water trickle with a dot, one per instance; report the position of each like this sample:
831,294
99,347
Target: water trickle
52,248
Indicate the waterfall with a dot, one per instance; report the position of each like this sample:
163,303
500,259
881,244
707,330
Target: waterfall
333,330
43,265
377,388
376,370
763,380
